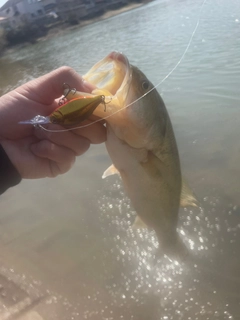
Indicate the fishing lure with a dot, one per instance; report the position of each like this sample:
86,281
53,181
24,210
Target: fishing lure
76,110
70,112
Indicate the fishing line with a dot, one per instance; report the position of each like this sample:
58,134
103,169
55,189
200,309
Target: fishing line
145,94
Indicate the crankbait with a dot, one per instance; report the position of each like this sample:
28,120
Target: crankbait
76,110
70,112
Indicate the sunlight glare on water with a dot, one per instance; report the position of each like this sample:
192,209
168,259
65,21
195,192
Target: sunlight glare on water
178,287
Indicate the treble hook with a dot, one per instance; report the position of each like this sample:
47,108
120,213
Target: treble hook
105,103
64,98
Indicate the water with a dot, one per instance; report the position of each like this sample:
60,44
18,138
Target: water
72,233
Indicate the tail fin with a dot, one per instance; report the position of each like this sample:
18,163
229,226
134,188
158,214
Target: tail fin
174,249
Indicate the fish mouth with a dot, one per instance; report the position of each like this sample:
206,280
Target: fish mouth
111,77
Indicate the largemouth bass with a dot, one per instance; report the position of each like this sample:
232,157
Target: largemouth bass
142,146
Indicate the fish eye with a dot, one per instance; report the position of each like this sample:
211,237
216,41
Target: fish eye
145,85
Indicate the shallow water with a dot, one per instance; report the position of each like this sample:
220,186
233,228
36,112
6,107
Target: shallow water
72,233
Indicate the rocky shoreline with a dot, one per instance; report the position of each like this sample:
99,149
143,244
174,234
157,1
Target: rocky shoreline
61,29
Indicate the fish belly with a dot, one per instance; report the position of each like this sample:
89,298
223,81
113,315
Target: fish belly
147,193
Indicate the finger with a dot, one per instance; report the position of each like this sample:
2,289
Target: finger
50,86
95,132
62,159
94,118
77,143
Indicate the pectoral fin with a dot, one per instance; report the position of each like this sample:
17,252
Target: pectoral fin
187,199
139,224
110,171
152,164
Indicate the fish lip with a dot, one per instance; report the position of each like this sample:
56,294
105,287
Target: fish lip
119,56
112,77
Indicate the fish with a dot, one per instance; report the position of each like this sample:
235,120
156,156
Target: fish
143,149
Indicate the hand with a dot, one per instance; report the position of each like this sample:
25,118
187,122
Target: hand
36,153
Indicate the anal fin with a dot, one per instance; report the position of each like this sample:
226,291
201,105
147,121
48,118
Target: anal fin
139,224
110,171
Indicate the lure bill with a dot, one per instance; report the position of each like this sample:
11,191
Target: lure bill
70,112
38,120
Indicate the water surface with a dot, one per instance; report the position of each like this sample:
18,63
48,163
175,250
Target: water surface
72,233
